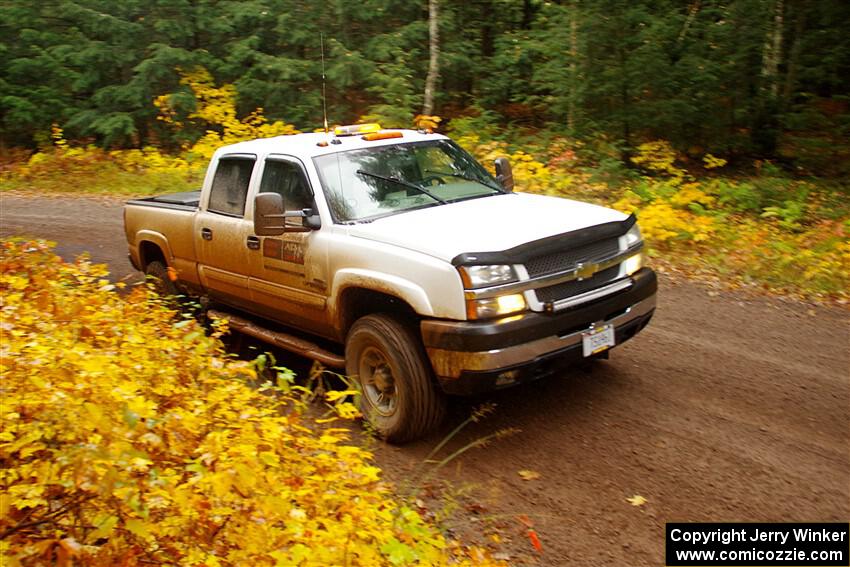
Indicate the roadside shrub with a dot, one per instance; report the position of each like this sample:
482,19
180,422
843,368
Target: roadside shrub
815,259
128,436
90,169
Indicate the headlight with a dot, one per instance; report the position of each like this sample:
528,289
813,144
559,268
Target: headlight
480,276
633,263
495,306
633,236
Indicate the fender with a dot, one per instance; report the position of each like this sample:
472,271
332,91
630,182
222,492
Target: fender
157,238
396,286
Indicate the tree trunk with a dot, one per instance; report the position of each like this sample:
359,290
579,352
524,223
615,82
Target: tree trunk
486,19
571,105
794,55
625,109
434,64
689,19
527,14
773,52
765,131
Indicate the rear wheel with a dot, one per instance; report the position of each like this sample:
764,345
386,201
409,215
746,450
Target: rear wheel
398,394
157,274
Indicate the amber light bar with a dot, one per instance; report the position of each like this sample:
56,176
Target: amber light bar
382,136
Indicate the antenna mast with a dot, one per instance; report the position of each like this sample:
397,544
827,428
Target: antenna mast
324,98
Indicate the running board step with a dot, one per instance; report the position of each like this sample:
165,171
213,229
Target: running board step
283,340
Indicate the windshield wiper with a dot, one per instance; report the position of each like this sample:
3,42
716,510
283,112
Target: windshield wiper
468,178
403,184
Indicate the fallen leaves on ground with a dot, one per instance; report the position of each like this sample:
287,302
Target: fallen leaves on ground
528,474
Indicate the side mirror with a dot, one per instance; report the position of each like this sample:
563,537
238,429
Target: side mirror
269,214
504,174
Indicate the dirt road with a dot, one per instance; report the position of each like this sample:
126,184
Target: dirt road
727,408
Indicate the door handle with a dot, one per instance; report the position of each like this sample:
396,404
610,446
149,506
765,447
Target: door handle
253,243
206,233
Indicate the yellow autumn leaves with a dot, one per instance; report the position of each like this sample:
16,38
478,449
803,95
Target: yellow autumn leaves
216,110
127,435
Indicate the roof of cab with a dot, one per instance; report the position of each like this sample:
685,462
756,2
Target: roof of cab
306,145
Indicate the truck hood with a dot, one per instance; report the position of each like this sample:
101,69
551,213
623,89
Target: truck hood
488,224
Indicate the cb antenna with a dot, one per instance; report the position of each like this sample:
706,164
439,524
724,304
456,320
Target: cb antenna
324,97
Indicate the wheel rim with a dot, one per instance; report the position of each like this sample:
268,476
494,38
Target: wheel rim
376,377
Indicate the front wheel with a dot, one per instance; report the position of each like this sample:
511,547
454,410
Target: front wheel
398,395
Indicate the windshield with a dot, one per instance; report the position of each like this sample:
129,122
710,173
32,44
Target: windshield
373,182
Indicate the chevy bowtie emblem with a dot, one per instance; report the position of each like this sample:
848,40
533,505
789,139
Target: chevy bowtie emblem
584,271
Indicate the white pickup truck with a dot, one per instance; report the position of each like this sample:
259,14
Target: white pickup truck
396,256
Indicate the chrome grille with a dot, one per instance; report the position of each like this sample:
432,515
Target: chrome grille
567,259
575,287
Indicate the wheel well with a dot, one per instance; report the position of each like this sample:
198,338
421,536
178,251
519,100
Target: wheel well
150,252
358,302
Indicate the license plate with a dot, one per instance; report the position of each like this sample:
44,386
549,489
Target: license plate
597,340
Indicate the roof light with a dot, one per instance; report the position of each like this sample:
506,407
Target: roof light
354,129
382,136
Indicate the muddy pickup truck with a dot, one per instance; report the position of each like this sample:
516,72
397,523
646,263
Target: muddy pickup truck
398,258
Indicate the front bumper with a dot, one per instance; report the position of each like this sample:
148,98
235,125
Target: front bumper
473,356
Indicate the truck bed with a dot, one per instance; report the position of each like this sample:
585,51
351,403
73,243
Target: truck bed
187,200
166,224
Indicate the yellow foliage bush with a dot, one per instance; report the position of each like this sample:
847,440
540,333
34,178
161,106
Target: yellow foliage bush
216,111
817,259
712,162
426,122
692,193
151,159
128,436
659,157
660,222
530,174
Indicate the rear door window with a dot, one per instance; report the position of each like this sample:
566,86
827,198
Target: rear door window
230,186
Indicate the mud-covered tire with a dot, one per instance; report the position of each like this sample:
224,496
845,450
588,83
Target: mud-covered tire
157,274
381,349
